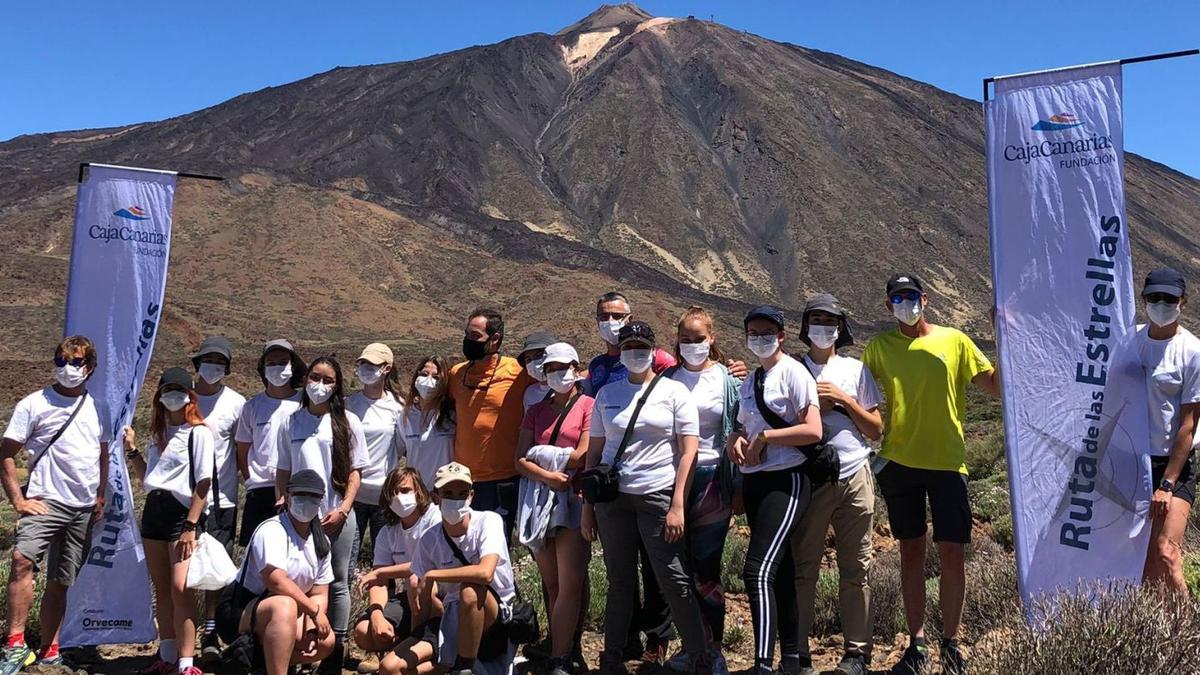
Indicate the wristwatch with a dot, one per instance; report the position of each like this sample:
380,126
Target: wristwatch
1166,485
188,526
375,606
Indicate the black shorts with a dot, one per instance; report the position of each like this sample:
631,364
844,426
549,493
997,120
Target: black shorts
905,491
431,632
163,517
260,506
1185,487
399,614
222,525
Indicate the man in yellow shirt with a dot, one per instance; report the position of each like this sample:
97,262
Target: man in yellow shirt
923,370
488,391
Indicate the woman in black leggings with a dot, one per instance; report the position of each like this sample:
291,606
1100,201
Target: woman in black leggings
776,491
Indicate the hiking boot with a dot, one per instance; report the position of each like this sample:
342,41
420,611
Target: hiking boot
914,662
369,664
16,659
953,661
210,648
611,664
852,664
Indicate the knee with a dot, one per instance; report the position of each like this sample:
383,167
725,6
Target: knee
472,596
392,665
325,646
280,608
22,567
362,636
1167,554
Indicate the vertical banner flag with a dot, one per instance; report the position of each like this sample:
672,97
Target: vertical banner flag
1075,416
114,296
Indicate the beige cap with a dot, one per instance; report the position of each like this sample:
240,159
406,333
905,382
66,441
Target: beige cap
377,353
452,473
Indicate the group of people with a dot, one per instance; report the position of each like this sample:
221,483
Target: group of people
650,448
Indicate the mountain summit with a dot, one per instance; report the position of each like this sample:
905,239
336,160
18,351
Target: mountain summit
678,159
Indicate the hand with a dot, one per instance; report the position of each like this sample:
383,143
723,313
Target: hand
308,642
754,451
186,545
737,451
558,481
587,524
382,628
673,531
737,368
368,580
333,521
98,509
128,437
32,507
1160,503
280,505
831,393
322,625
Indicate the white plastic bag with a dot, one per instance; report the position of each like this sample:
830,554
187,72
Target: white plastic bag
209,568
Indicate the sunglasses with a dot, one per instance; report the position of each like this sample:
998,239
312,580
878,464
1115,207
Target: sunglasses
78,361
897,298
611,316
1162,297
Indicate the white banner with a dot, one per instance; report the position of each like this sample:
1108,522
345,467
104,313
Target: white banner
1075,416
114,296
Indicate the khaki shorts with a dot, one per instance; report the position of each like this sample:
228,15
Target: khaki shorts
59,536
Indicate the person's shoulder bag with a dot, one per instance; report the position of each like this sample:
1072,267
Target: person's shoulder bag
601,483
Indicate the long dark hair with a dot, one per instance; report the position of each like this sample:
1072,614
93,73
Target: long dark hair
440,401
391,485
338,422
392,385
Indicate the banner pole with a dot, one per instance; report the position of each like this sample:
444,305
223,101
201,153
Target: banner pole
179,174
1136,59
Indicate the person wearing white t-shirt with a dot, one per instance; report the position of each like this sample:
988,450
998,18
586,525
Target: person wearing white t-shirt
775,490
177,475
379,406
392,599
427,425
465,558
282,372
849,401
221,408
68,469
1170,356
323,436
654,475
710,499
286,577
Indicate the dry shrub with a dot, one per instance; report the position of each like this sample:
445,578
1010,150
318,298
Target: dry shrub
826,615
1122,631
886,602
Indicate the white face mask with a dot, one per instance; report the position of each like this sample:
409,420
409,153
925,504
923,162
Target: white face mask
318,392
70,376
534,368
454,510
822,336
908,312
426,385
174,400
404,503
369,374
637,360
279,376
211,373
609,330
695,354
304,507
1162,313
562,381
763,346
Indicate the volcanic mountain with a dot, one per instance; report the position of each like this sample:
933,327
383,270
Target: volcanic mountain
677,159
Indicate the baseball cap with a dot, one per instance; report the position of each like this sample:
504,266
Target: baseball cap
636,331
176,376
824,302
561,352
307,481
767,312
1165,280
214,344
537,340
904,282
279,344
377,353
452,473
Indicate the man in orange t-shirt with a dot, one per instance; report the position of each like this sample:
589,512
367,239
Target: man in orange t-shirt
488,391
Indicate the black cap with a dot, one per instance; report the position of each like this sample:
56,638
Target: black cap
1165,280
825,302
176,376
537,340
904,282
767,312
636,331
214,344
306,480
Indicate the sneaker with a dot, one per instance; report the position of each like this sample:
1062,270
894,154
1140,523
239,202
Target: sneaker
51,662
633,650
16,659
792,665
953,661
611,665
538,651
561,666
719,666
655,653
210,648
914,661
679,663
191,670
159,667
369,664
852,664
806,666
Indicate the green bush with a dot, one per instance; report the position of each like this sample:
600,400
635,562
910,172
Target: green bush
985,454
598,579
1002,530
886,602
826,614
1191,572
989,497
733,560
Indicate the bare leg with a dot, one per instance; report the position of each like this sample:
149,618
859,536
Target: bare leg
547,562
158,562
54,606
1166,546
275,622
912,583
952,588
184,601
408,656
20,593
572,552
477,610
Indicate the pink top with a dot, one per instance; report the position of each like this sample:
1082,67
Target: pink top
540,419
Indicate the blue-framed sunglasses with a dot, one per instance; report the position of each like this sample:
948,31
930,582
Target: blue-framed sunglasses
897,298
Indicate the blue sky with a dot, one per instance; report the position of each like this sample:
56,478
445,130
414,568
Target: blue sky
69,65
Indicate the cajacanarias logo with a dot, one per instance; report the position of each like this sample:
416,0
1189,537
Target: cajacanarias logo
1059,122
132,213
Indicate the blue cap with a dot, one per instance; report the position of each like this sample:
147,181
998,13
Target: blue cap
1165,280
767,312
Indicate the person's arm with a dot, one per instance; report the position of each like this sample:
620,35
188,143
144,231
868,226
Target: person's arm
129,443
102,487
689,449
203,443
8,474
283,462
579,454
335,519
988,381
278,583
869,422
480,574
1181,448
806,431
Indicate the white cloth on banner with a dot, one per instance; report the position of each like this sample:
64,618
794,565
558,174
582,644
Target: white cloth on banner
1075,411
118,273
537,503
